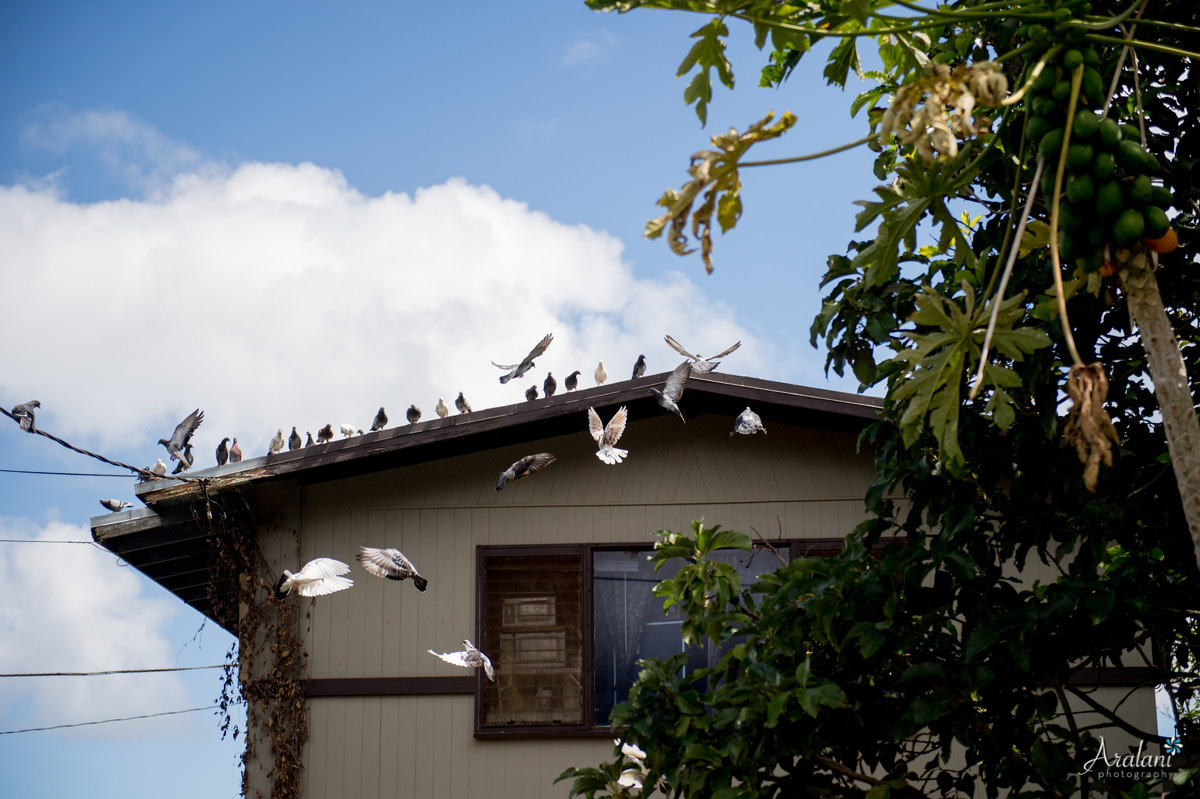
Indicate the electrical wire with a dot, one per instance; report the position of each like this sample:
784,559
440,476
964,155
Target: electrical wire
109,721
64,474
110,671
42,541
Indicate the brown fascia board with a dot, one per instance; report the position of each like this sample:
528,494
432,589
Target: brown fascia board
489,428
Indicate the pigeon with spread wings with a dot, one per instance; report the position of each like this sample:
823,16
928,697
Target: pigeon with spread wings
390,564
607,435
668,398
318,577
519,369
183,434
748,423
470,658
700,364
530,464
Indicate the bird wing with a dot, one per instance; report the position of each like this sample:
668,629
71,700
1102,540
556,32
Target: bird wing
595,426
616,426
185,429
538,350
675,345
532,464
510,367
453,658
323,586
323,567
726,352
678,379
385,562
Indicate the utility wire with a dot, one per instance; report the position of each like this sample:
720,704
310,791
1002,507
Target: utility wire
110,671
42,541
109,721
64,474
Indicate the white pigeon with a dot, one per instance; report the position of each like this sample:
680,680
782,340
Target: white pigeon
748,423
700,364
390,564
600,374
607,435
470,658
276,443
318,577
347,430
159,467
668,398
442,410
115,505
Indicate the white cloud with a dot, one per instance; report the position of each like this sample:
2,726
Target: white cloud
598,45
274,295
71,607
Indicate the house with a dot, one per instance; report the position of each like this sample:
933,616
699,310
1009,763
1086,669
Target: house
548,576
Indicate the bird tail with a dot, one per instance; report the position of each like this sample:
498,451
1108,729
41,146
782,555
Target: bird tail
420,582
500,485
280,591
612,455
505,378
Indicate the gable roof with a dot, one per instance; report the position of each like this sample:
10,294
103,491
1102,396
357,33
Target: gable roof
166,543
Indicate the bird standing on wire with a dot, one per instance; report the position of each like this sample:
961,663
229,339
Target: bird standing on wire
318,577
25,416
470,658
223,451
182,435
519,369
639,368
390,564
668,398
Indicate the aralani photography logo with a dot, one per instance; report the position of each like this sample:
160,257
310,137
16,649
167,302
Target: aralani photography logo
1136,765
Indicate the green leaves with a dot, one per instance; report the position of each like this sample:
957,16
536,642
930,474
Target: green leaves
706,55
703,588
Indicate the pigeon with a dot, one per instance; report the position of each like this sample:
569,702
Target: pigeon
470,658
115,505
380,421
24,415
550,385
748,423
413,414
347,430
573,380
223,451
530,464
182,435
462,405
308,442
294,441
235,452
188,459
441,409
276,444
601,375
673,390
390,564
519,369
318,577
700,365
159,467
325,434
639,368
607,435
531,393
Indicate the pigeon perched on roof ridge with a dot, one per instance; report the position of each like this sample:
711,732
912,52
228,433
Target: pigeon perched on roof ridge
159,467
413,414
391,564
441,409
116,505
668,398
25,415
317,577
549,385
600,374
347,430
325,434
223,451
531,393
639,368
462,404
470,658
380,421
294,441
182,435
524,467
607,435
748,423
700,364
188,459
235,452
308,442
276,444
519,369
572,381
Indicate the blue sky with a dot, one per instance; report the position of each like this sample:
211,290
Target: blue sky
292,213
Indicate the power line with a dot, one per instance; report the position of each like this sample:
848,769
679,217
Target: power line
42,541
109,721
65,474
110,671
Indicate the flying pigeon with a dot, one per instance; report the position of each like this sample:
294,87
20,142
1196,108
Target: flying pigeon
748,423
235,452
182,435
531,393
318,577
115,505
294,441
347,430
325,434
462,405
550,385
470,658
639,368
380,421
223,451
442,410
607,435
188,459
308,442
276,444
519,369
24,415
700,365
601,375
413,414
573,380
530,464
390,564
673,390
159,467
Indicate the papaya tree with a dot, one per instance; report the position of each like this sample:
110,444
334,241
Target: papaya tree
1024,293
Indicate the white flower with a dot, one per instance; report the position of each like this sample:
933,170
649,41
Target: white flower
632,750
630,778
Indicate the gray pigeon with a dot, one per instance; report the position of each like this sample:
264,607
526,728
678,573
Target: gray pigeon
470,658
531,393
294,441
462,404
607,435
186,461
308,442
668,398
519,369
24,415
325,434
235,452
390,564
182,435
276,444
530,464
700,364
380,421
413,414
223,452
550,385
572,380
441,408
748,423
639,368
115,505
